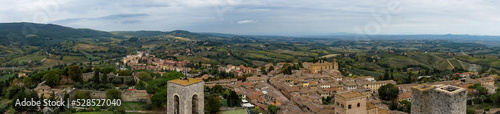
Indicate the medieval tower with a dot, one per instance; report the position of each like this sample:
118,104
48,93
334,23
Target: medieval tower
185,96
427,99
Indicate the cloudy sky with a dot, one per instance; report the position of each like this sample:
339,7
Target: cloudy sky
265,17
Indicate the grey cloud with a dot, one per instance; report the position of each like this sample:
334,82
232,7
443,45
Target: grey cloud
275,17
109,17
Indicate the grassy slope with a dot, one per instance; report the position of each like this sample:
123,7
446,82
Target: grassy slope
6,77
238,111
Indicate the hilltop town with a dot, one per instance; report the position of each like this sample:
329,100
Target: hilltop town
251,74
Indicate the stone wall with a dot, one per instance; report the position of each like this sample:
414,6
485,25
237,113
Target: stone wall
127,96
421,99
97,94
136,96
446,99
185,94
450,100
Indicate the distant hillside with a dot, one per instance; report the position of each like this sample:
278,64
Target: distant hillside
176,33
38,34
141,34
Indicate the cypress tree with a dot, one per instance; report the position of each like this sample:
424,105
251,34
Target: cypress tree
96,77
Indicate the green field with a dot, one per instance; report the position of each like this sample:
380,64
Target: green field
456,63
238,111
443,65
195,58
29,57
6,77
100,112
73,59
133,105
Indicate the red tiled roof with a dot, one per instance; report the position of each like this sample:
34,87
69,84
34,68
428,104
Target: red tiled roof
131,89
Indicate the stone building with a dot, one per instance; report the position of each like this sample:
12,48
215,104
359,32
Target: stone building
350,103
322,65
185,96
447,99
374,86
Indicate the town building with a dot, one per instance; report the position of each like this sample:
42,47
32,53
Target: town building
185,96
447,99
321,65
350,103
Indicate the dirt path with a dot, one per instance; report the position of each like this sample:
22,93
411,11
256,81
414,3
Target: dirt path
453,67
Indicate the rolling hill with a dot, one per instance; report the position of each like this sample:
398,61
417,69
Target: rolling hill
43,34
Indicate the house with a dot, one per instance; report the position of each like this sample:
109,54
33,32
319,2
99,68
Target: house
374,86
404,96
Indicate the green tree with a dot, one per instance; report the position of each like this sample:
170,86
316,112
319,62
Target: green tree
156,85
113,94
104,79
217,89
96,77
272,109
388,92
66,99
407,105
108,70
213,104
81,95
225,94
51,79
159,99
124,72
130,82
75,73
286,69
271,68
263,70
233,99
482,98
145,76
141,85
386,75
133,39
41,100
470,111
172,75
117,81
494,98
13,90
28,95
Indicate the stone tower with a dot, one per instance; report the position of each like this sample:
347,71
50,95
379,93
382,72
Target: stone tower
350,103
185,96
421,100
427,99
450,100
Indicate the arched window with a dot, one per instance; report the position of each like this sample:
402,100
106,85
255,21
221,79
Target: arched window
176,104
194,103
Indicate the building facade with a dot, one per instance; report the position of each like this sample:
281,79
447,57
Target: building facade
350,103
185,96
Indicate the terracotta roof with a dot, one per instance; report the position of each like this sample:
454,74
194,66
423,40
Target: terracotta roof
131,89
404,95
304,90
370,106
350,95
466,86
185,82
205,76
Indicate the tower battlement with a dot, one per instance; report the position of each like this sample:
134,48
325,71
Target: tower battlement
448,99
